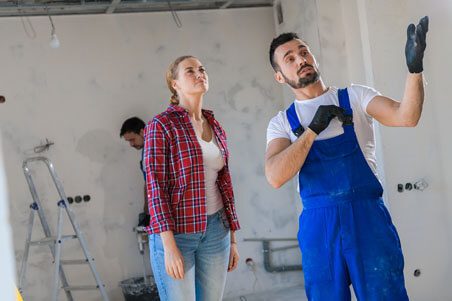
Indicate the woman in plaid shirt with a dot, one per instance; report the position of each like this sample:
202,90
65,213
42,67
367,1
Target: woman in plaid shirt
191,201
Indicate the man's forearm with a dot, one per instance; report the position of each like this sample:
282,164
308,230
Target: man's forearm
282,166
413,99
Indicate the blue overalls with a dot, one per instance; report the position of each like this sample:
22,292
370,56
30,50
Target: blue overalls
346,235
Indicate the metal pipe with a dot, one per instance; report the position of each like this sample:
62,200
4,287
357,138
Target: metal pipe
284,248
270,239
271,268
268,251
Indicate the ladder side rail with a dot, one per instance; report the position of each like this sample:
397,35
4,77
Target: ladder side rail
92,266
34,195
41,214
58,243
75,225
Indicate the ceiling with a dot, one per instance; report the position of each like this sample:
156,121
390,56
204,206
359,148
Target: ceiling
9,8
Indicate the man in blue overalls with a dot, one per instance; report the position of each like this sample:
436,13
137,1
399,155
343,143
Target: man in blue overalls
345,234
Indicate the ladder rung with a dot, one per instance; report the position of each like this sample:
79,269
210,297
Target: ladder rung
51,240
74,261
80,287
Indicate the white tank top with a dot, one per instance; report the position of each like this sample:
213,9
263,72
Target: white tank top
213,163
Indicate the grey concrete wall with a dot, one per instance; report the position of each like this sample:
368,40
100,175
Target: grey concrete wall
107,69
423,218
360,41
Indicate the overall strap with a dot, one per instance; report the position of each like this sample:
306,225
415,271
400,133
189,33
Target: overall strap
344,102
294,122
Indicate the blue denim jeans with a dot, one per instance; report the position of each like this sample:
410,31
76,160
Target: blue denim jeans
206,258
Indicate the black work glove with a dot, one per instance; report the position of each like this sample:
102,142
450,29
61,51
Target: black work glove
323,117
415,45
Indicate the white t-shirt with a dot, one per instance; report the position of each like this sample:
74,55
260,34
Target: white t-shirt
213,163
359,96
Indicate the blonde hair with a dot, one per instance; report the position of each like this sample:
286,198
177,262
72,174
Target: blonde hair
171,74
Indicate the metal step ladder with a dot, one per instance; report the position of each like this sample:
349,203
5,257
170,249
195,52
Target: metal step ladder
55,242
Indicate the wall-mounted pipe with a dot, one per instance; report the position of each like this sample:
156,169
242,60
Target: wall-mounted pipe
267,251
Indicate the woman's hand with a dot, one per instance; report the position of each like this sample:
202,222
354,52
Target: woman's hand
233,257
174,261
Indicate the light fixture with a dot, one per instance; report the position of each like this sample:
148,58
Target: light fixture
54,42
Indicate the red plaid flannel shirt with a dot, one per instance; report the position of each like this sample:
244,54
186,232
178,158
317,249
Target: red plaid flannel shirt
175,174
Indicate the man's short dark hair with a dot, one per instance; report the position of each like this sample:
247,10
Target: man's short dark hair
278,41
134,125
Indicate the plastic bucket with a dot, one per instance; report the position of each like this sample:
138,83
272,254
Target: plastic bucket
134,289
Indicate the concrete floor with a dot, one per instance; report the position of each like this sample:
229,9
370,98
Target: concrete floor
286,294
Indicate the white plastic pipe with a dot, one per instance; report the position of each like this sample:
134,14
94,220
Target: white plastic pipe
7,263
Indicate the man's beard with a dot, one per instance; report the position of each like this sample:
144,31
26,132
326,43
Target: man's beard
303,81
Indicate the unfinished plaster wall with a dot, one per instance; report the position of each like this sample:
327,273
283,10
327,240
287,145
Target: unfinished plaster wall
109,68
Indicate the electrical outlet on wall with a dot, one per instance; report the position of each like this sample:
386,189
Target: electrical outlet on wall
78,199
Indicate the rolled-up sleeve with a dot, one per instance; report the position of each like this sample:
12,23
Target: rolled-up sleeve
157,170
